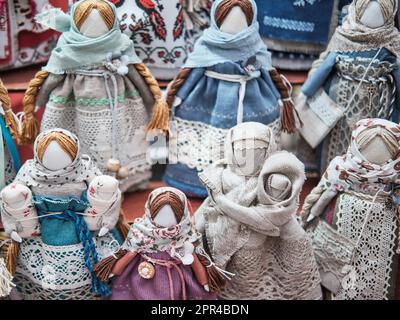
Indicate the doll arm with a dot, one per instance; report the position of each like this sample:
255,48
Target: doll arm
51,82
318,78
18,213
105,202
252,217
199,215
141,86
200,272
122,263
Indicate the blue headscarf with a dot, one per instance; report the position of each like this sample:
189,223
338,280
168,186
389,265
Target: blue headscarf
216,46
75,51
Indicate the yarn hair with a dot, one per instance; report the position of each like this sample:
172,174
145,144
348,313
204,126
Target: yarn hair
65,142
226,6
8,116
83,10
164,199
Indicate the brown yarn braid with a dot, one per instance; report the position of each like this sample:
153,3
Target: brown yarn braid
12,257
177,84
160,117
9,118
226,6
30,126
288,112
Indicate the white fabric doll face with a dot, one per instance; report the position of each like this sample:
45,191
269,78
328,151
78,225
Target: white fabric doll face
278,186
235,21
373,16
94,26
377,145
376,151
249,158
55,158
166,217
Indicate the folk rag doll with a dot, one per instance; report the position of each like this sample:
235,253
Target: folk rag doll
163,31
9,156
160,259
249,219
95,86
357,76
352,215
61,214
227,79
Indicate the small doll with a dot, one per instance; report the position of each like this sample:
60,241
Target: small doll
249,219
227,79
95,86
9,156
161,258
163,31
352,215
62,216
358,74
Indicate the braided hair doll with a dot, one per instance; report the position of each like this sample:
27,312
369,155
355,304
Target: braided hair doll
95,86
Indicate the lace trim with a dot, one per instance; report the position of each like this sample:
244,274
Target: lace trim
373,261
199,145
91,101
42,268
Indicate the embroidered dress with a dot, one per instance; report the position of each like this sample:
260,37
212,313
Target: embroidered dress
252,234
356,236
164,31
166,250
57,254
229,83
360,73
87,93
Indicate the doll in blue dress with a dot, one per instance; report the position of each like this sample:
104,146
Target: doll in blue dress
228,79
359,72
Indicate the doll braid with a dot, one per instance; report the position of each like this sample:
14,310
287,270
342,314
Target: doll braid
30,126
9,116
177,84
12,257
288,112
160,116
122,226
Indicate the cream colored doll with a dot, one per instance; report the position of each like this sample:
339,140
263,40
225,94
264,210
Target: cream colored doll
352,215
95,86
61,214
249,219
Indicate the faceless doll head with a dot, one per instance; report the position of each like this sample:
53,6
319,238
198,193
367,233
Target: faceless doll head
278,186
377,145
247,147
167,209
233,16
56,150
94,18
375,13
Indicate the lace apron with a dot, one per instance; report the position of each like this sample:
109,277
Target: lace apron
109,121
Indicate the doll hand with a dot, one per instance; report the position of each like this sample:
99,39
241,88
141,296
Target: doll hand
16,196
16,237
103,187
207,288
